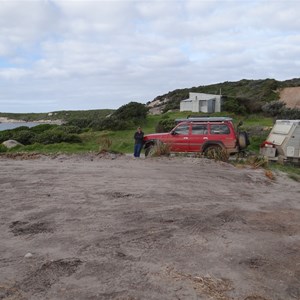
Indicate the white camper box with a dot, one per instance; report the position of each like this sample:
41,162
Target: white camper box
283,142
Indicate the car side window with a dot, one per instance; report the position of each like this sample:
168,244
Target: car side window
182,129
219,129
199,129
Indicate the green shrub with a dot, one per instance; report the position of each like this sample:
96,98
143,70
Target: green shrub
72,139
290,114
25,137
113,123
21,128
132,111
165,125
280,111
43,127
80,122
273,108
5,135
126,117
71,129
235,105
3,148
49,137
56,136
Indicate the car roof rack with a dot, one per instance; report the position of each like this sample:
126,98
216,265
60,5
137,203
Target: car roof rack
204,119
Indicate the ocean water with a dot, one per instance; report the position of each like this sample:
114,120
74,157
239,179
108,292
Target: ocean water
5,126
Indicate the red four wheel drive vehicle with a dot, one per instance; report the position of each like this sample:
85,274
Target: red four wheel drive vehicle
200,134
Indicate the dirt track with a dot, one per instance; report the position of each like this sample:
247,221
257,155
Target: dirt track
166,228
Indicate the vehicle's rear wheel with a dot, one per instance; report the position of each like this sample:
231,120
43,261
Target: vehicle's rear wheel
215,152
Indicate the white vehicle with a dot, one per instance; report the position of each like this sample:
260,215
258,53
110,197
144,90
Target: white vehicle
283,142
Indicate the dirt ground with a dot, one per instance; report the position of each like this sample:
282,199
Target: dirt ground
90,227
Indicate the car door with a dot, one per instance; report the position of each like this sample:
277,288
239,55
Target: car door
198,136
222,133
179,140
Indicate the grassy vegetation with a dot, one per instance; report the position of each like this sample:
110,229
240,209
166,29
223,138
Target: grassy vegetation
122,140
292,171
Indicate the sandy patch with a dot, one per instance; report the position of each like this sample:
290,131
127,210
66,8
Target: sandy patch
291,96
165,228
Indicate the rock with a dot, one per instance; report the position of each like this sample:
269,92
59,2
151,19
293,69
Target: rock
11,143
28,255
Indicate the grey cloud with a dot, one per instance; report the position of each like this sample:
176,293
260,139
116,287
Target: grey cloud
98,54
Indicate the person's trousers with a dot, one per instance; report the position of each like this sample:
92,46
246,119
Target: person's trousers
137,150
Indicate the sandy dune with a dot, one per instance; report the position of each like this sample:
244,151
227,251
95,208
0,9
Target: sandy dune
291,96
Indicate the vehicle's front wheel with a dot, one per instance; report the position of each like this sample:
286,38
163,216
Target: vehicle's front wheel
149,150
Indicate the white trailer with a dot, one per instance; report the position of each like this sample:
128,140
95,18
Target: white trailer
283,142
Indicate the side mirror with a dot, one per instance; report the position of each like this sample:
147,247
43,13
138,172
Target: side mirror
173,132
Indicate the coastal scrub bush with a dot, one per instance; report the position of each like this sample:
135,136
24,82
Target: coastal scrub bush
273,108
132,111
235,105
290,114
43,134
80,122
20,128
165,125
126,117
112,123
72,138
49,137
2,148
25,137
56,136
71,129
5,135
43,127
279,110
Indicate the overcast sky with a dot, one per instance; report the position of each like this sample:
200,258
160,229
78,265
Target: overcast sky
82,54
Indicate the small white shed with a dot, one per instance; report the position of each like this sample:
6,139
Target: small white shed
200,102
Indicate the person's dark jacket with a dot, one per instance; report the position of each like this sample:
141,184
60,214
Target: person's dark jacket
138,137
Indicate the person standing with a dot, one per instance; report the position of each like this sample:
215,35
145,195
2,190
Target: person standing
138,142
